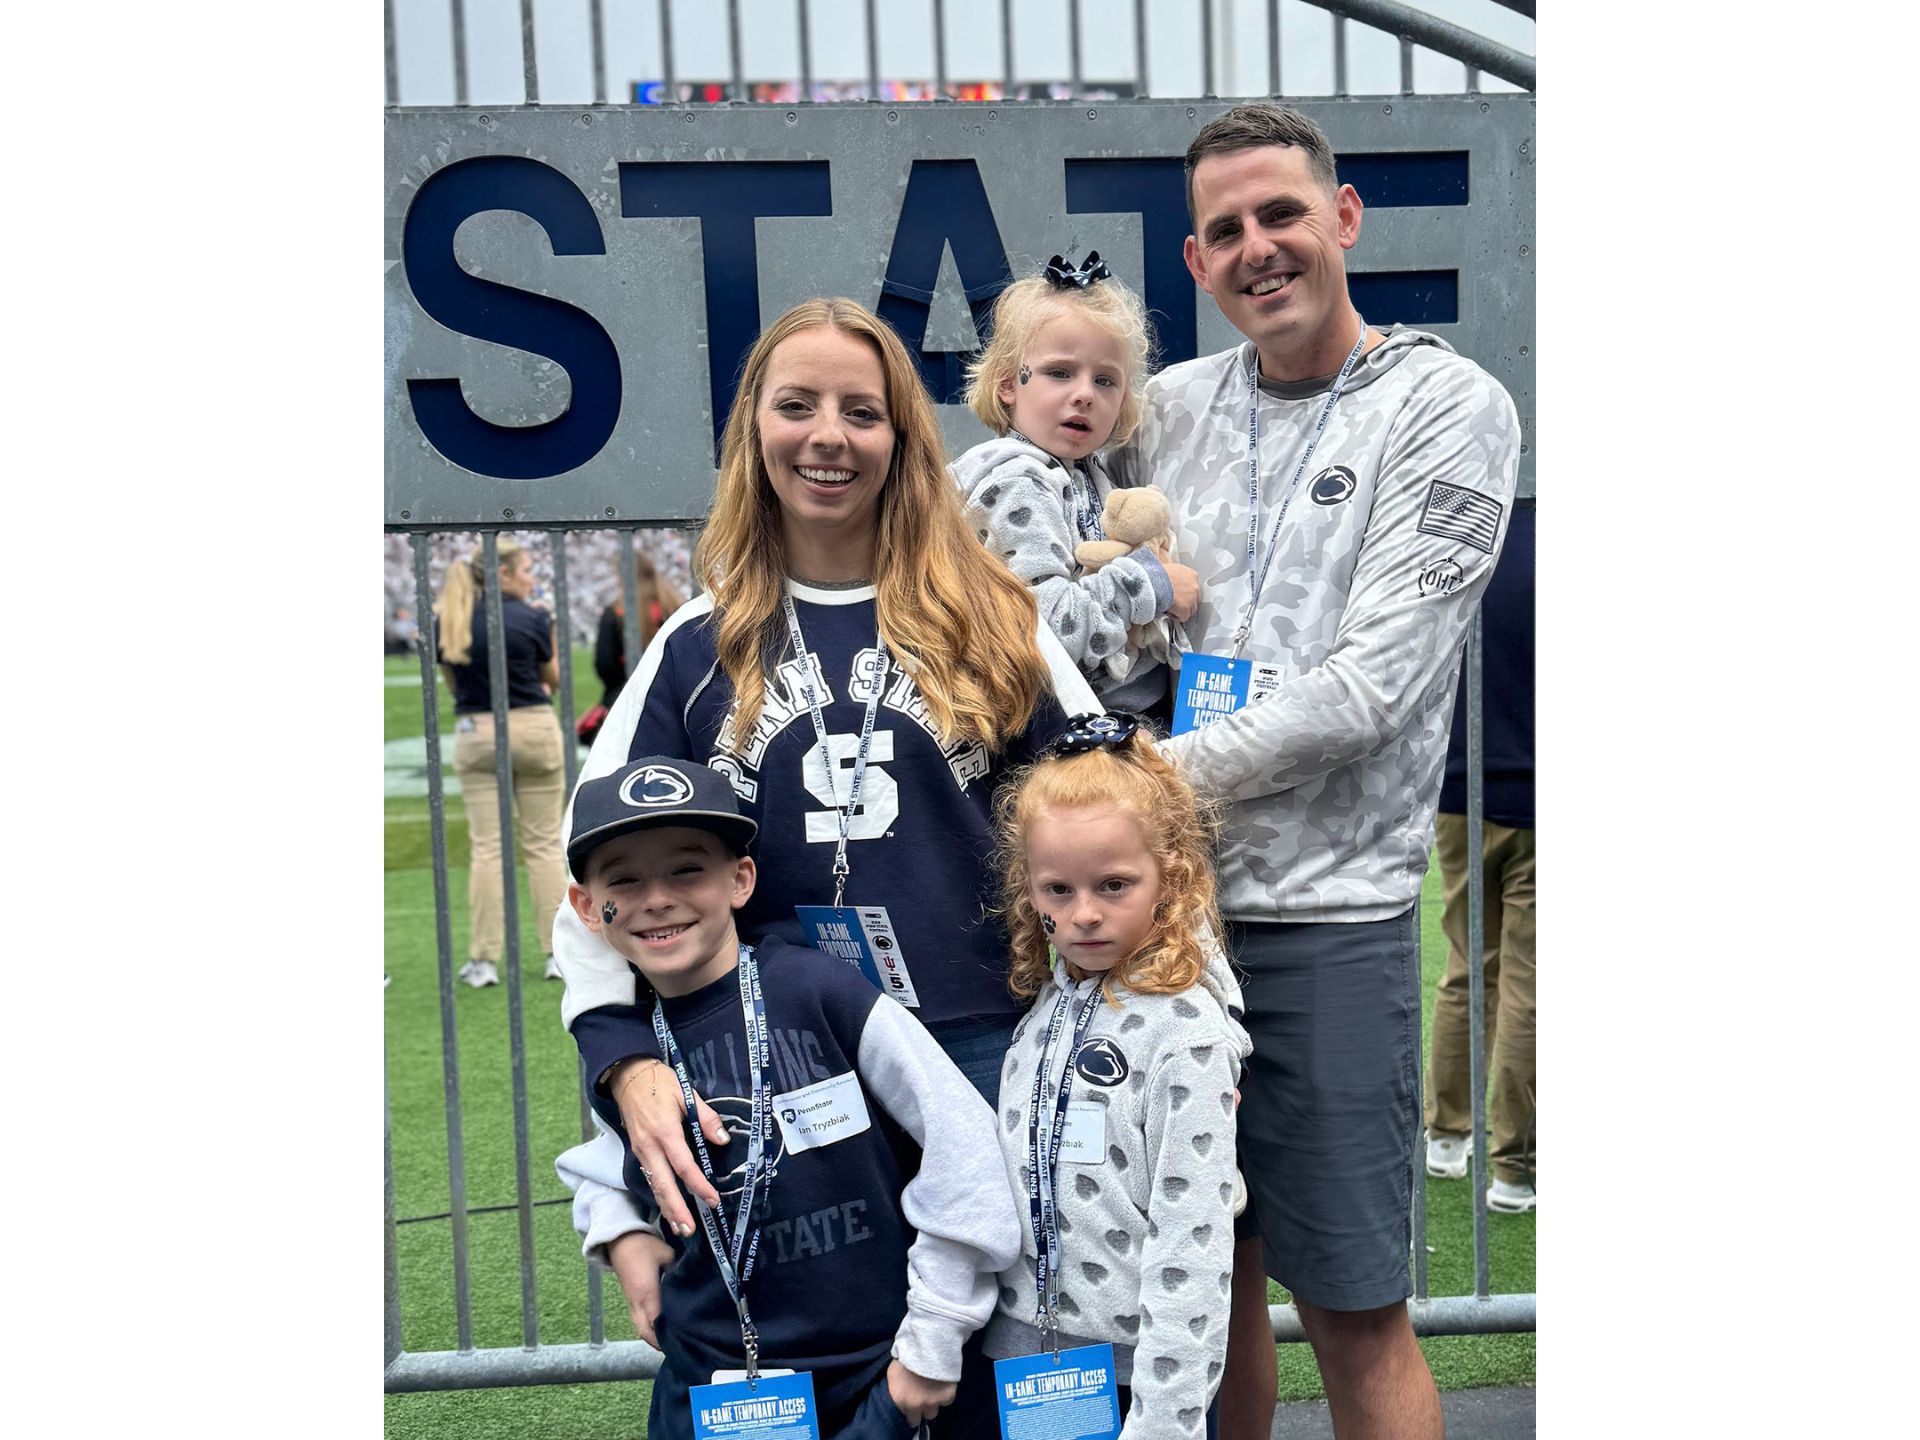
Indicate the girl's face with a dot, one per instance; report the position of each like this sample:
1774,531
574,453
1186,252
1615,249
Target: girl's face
1066,395
826,439
516,576
1089,871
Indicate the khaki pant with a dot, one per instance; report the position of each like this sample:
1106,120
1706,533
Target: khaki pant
540,798
1507,998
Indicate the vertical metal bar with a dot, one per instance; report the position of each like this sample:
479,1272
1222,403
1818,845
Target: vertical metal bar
563,624
529,63
1140,48
1273,47
806,54
1417,1179
393,61
1076,75
1339,54
739,88
443,937
666,53
1473,81
1406,65
457,11
939,47
596,1272
1476,953
873,51
1206,48
393,1253
1006,49
510,920
599,52
630,597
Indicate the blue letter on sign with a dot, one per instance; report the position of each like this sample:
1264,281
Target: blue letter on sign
726,197
1156,191
488,310
945,205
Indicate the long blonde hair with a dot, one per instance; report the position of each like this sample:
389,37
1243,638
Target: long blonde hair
461,588
1180,830
954,616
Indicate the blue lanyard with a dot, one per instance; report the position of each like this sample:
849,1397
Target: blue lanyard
1257,572
1043,1165
844,813
736,1247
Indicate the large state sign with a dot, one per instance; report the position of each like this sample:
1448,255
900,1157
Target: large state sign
569,293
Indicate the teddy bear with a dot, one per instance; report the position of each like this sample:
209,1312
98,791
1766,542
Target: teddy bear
1131,518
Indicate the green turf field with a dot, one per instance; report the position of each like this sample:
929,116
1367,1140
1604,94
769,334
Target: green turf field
418,1118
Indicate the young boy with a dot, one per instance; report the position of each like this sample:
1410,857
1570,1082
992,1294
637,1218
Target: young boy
835,1282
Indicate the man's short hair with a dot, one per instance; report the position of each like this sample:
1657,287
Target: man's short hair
1246,126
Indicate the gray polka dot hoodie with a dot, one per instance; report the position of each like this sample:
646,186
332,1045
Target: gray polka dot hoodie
1031,509
1147,1231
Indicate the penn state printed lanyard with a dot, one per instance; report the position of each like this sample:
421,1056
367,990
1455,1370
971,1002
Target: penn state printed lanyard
1043,1158
1256,567
844,813
737,1246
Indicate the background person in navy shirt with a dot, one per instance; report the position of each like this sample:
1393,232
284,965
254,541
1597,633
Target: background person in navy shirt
533,742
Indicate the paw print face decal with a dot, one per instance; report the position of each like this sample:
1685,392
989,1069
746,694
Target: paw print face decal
607,912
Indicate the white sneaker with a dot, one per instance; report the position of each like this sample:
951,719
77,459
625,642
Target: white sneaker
480,972
553,968
1448,1155
1239,1193
386,982
1510,1199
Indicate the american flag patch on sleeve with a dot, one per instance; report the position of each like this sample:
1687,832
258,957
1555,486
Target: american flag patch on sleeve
1461,514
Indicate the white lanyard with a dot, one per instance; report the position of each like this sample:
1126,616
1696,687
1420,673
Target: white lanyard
732,1250
844,812
1257,572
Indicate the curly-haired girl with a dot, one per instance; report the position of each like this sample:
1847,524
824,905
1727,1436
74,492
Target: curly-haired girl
1117,1098
1064,374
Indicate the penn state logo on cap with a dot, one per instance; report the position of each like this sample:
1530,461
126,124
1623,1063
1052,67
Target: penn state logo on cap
651,791
651,786
1332,485
1100,1062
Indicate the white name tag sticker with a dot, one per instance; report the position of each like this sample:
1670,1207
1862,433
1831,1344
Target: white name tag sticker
824,1113
1084,1141
1265,681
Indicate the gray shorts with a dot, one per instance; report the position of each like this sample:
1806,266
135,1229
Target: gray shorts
1328,1104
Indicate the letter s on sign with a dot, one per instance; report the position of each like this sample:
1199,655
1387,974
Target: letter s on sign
488,310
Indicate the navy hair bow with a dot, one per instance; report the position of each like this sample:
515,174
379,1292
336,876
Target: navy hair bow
1062,276
1091,732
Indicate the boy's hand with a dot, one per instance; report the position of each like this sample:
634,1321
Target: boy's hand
650,1108
917,1398
637,1258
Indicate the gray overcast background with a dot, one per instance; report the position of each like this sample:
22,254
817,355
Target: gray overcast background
423,42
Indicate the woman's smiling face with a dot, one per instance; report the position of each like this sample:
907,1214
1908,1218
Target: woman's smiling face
826,439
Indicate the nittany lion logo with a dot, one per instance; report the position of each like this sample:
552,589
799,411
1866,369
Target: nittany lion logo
1332,485
1100,1062
655,785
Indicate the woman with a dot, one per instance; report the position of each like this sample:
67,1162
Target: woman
658,600
533,744
833,492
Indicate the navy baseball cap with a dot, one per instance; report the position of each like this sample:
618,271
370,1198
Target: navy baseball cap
649,792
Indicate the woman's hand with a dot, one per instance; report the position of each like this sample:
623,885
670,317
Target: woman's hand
917,1398
651,1109
637,1258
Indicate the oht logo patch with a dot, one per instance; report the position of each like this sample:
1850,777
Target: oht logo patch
1442,577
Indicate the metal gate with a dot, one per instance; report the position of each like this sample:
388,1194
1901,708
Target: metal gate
569,291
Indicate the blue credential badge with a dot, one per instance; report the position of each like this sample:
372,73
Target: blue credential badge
1211,687
780,1407
1072,1397
864,937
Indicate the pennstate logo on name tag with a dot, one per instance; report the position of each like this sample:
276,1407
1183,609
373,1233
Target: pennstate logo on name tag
824,1113
1084,1140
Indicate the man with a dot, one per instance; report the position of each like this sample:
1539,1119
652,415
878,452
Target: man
1507,853
1392,492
